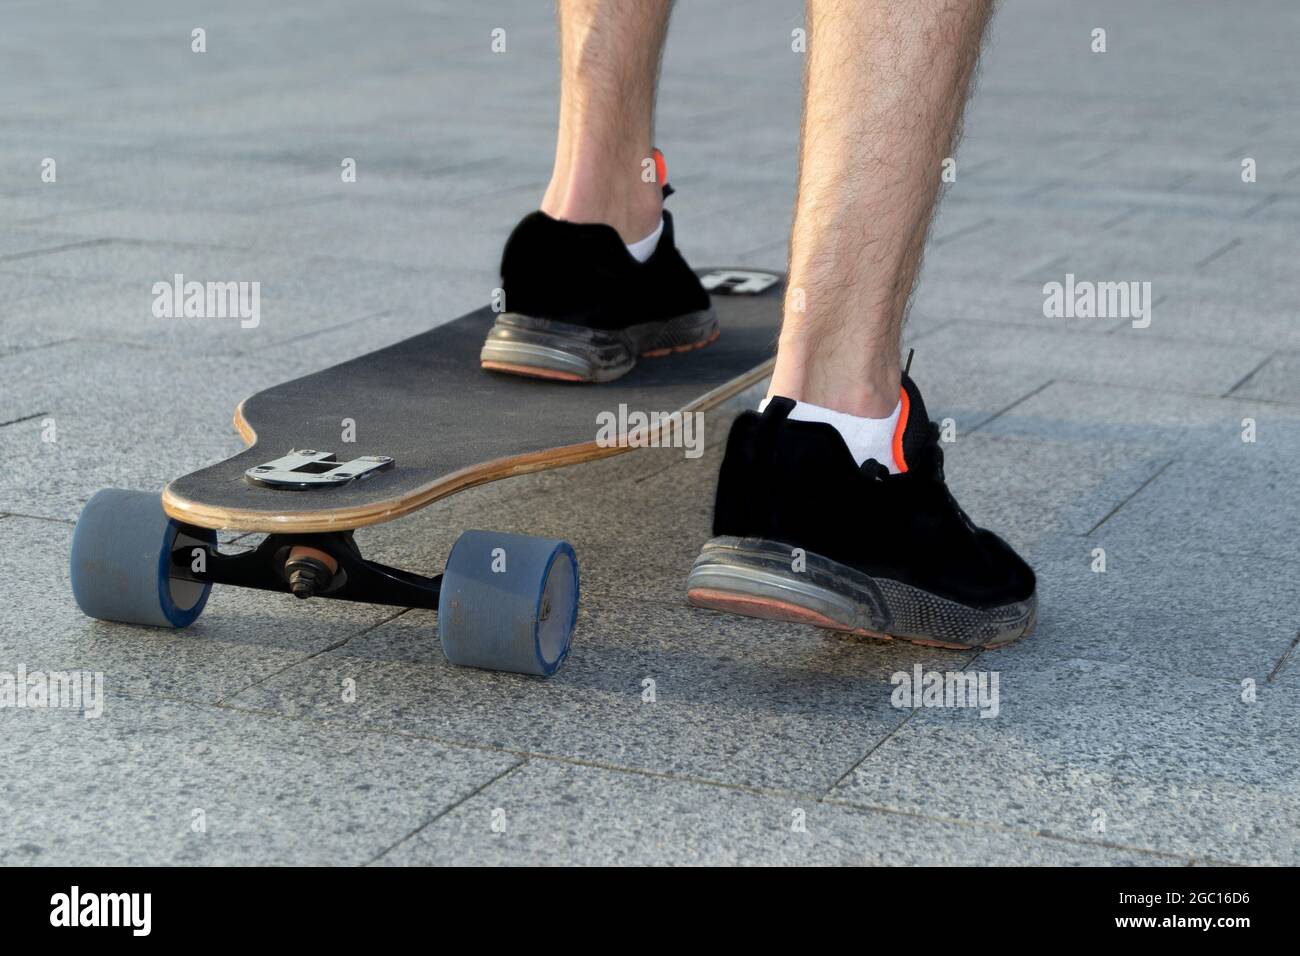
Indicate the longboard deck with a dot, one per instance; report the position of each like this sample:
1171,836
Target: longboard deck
448,424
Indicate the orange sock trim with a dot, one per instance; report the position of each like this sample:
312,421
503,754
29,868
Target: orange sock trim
902,427
661,168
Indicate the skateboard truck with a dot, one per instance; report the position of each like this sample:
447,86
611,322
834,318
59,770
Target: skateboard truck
320,565
309,469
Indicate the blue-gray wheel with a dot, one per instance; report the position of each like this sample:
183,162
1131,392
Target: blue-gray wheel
508,602
121,561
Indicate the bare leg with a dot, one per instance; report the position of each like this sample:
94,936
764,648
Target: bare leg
887,80
609,62
595,279
885,87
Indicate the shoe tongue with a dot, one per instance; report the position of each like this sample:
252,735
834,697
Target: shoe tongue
913,422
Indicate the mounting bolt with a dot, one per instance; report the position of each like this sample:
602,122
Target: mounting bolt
309,571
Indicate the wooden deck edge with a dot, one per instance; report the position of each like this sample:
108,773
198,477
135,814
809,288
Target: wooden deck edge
311,521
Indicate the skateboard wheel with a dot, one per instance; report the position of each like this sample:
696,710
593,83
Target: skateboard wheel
508,602
121,561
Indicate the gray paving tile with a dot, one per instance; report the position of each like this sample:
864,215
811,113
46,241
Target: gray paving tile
128,220
414,236
1277,381
1058,486
296,301
1164,762
170,783
1216,494
1178,610
736,700
1218,312
556,813
1242,504
1283,210
1142,248
19,293
128,260
22,244
1207,311
1006,250
720,238
122,416
1068,349
1136,415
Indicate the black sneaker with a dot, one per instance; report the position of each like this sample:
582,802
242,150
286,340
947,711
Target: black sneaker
582,309
805,535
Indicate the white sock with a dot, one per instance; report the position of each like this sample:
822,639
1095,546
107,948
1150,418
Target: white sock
866,437
643,249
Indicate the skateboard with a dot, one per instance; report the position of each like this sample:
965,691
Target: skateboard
385,434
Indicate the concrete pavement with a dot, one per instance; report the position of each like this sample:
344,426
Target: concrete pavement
1150,720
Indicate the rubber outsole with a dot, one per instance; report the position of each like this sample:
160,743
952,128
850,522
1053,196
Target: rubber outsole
689,347
531,371
754,577
561,351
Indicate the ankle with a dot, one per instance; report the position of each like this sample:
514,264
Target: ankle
634,211
830,375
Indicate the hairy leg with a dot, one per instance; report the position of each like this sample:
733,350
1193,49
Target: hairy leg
609,70
885,86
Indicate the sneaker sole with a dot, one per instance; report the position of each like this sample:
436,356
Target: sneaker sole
753,577
561,351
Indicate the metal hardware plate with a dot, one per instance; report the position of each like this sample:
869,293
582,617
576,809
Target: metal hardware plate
309,469
738,281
